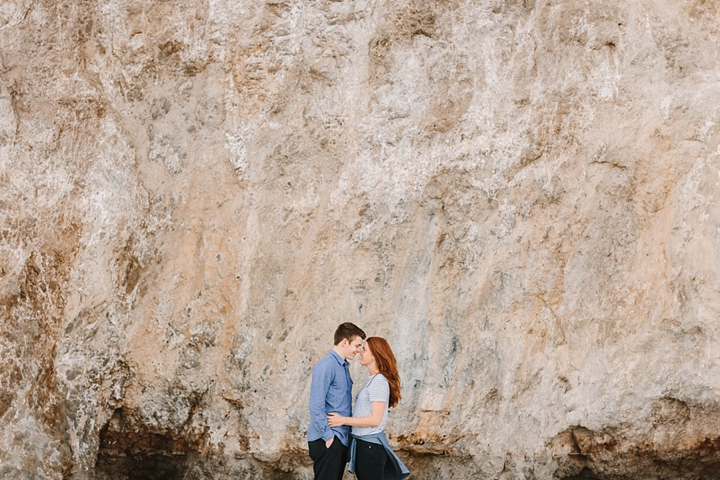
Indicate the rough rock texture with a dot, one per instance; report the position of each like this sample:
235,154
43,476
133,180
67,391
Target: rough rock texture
519,195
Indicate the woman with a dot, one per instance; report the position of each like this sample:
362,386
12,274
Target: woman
371,457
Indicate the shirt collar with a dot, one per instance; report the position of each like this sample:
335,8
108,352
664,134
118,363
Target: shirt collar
339,359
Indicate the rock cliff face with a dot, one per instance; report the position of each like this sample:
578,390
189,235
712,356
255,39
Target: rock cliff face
520,195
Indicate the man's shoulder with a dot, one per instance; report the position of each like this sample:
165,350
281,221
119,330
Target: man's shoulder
326,362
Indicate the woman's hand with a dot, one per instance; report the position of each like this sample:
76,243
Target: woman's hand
335,420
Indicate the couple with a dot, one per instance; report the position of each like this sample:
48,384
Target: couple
331,414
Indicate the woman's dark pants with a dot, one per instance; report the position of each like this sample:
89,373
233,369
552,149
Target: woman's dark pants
370,460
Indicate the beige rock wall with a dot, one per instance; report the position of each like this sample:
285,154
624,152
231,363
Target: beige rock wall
519,195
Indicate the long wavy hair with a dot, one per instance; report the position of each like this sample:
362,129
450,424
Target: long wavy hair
386,363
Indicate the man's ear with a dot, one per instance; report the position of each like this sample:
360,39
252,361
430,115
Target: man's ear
344,342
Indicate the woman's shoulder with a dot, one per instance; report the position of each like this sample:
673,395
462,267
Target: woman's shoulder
379,378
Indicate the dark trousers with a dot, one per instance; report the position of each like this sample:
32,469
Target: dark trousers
328,463
370,461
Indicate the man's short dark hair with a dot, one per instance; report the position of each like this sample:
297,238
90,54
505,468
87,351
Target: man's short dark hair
348,330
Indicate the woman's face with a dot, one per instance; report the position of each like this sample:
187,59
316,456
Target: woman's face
366,356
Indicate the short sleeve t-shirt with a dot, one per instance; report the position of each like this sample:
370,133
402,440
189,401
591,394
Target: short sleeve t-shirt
376,389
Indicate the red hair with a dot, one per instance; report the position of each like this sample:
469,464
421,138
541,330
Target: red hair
387,365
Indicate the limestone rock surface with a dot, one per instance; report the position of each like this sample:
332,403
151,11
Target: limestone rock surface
520,195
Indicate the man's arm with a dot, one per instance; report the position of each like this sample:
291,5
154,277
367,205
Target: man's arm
372,420
321,379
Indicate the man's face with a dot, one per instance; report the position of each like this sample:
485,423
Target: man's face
351,348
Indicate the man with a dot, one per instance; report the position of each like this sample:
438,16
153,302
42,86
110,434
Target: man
331,391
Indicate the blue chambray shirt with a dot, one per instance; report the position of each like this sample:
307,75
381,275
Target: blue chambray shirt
330,391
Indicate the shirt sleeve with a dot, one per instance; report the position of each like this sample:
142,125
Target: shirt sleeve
379,389
322,377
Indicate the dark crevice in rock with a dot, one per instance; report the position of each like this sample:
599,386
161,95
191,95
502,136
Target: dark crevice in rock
129,451
585,474
613,455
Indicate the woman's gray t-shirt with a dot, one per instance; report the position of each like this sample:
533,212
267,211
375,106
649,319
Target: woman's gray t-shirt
376,389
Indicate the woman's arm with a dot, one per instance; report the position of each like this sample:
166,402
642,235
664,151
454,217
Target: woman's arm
372,420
